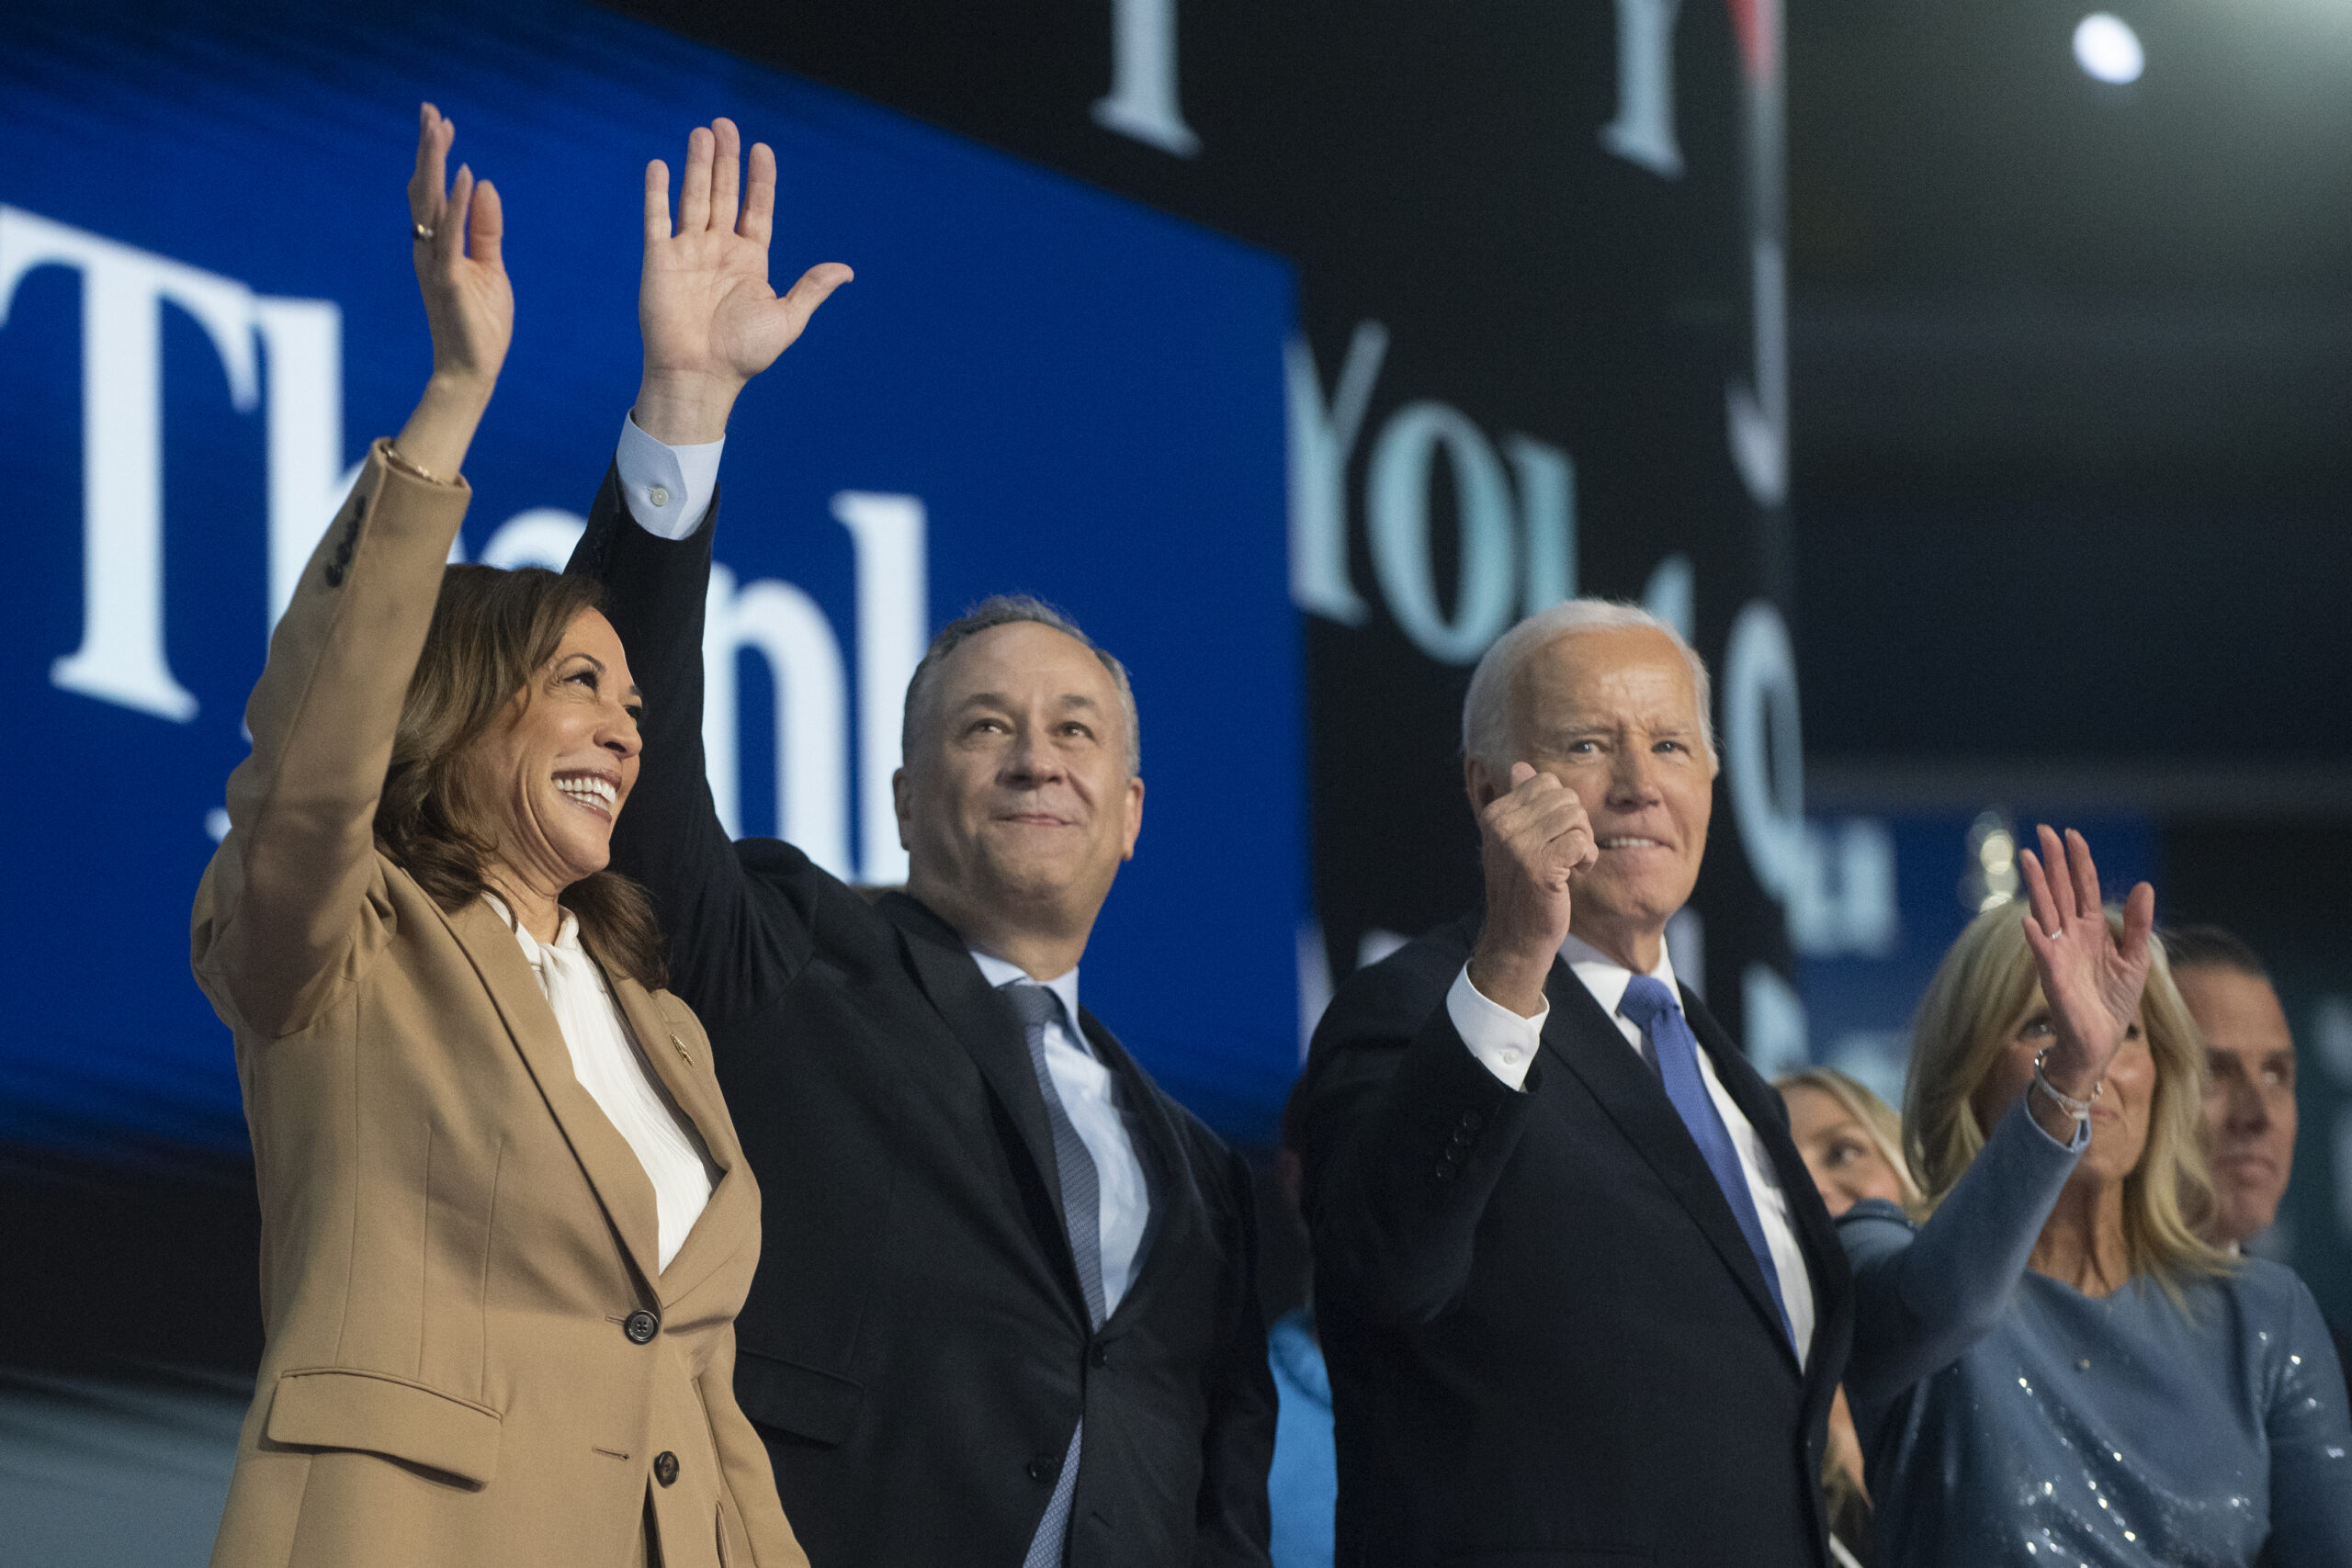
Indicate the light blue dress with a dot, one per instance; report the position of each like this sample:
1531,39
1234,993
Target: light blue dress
2009,1419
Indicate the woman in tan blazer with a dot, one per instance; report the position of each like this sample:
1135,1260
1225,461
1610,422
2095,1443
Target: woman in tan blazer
505,1221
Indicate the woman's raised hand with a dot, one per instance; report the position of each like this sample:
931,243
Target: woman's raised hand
709,320
467,299
2091,981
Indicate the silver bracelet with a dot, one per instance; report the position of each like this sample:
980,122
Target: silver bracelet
2080,1110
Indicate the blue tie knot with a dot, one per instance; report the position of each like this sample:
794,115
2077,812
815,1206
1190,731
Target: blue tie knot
1647,997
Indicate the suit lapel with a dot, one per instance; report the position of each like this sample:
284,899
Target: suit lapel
1586,1041
1176,1203
1758,1102
611,1166
982,1022
1816,1233
717,1233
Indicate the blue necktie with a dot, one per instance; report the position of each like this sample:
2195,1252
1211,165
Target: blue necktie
1036,1007
1656,1012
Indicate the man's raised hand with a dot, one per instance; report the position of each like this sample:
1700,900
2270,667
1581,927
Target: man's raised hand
1533,839
709,320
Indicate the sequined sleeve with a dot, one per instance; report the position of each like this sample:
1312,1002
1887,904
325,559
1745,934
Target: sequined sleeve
2311,1440
1924,1294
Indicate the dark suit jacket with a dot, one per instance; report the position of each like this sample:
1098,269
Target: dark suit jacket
1549,1344
915,1349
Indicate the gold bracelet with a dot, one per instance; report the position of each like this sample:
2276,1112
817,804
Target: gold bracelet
392,454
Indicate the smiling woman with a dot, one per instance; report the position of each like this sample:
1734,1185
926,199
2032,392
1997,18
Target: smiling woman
2052,1366
516,749
507,1223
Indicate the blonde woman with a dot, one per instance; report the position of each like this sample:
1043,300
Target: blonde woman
1852,1140
2055,1368
1852,1144
506,1223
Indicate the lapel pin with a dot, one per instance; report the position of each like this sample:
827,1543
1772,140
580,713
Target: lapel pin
681,1045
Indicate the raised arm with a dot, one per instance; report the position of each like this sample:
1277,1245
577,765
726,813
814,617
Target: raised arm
1922,1301
1409,1111
277,920
1403,1134
710,322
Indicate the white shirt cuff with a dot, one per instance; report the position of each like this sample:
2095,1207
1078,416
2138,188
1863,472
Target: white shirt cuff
1504,1042
668,488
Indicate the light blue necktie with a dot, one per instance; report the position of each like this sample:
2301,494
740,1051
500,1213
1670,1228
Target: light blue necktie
1036,1007
1658,1015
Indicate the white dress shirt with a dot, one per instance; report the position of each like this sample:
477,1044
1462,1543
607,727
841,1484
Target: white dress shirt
610,1066
1090,1098
1506,1044
668,488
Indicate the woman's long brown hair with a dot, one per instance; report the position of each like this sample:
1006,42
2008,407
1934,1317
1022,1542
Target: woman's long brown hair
493,632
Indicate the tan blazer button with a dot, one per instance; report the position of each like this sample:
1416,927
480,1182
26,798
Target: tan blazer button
640,1326
666,1467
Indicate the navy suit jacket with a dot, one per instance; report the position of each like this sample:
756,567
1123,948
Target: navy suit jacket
1549,1344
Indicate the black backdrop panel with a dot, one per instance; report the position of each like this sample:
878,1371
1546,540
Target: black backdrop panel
1549,328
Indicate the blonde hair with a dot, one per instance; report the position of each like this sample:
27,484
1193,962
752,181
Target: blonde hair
1981,992
1876,1117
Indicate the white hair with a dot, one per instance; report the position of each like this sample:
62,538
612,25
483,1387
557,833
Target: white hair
1486,711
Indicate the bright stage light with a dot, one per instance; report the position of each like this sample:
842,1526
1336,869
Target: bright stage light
2108,50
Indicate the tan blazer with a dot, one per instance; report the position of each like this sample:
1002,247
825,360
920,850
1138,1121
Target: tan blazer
472,1359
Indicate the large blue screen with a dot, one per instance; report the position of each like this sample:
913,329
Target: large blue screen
209,312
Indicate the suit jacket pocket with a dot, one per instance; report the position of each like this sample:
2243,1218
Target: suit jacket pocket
800,1400
336,1407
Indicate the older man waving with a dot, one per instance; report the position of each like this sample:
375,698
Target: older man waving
1580,1300
1007,1315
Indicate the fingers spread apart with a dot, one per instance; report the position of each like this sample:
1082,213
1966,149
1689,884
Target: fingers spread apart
714,195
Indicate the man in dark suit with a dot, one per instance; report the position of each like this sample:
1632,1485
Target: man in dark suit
1005,1312
1580,1301
2250,1111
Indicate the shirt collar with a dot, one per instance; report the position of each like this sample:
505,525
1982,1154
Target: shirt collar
1607,979
567,933
1002,972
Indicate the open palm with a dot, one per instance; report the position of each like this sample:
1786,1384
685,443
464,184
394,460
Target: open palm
703,304
469,303
2091,980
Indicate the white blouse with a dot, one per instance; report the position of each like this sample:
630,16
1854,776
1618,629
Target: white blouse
612,1069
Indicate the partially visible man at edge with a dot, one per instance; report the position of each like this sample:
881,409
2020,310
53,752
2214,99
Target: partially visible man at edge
1010,1316
2250,1117
1578,1295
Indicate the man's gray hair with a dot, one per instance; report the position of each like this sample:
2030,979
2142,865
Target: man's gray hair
1486,712
1005,610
